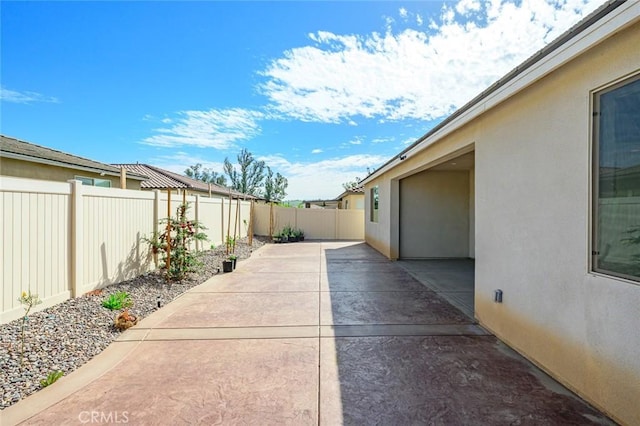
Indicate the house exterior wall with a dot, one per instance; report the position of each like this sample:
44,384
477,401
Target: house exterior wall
352,202
472,213
532,197
434,215
27,169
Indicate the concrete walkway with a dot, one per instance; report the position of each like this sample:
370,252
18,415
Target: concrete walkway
305,334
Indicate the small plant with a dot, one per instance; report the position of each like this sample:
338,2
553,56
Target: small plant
28,301
51,378
231,244
117,301
175,243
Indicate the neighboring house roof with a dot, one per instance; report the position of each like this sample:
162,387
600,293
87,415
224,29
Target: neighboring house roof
474,107
162,179
26,151
356,190
322,203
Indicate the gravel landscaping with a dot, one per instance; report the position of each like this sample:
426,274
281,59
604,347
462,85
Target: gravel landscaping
65,336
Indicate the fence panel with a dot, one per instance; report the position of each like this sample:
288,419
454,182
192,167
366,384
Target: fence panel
210,215
321,224
261,219
318,224
350,225
115,222
34,245
283,216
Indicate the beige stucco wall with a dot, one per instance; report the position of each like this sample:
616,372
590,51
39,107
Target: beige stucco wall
532,230
472,213
434,215
352,202
26,169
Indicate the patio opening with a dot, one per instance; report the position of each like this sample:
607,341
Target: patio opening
436,229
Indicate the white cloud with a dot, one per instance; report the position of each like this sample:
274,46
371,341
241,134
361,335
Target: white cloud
419,20
316,151
322,179
414,74
465,6
219,129
381,140
25,97
180,161
403,13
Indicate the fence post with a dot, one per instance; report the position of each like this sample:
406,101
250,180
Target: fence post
77,215
155,226
198,244
221,220
156,211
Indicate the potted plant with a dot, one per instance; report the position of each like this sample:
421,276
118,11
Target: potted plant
300,234
287,234
234,259
227,265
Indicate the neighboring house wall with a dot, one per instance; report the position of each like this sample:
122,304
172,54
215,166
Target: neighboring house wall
352,202
531,224
31,170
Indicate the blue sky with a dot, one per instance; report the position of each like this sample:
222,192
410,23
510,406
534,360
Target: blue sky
320,91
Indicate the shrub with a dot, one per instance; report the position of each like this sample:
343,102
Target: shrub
117,301
51,378
180,233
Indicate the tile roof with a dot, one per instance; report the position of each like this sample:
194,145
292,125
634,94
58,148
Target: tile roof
162,179
357,190
15,148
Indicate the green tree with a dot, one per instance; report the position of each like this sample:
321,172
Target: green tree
348,186
206,175
249,177
275,186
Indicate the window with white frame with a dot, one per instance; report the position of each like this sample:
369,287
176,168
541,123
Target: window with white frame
374,196
105,183
616,182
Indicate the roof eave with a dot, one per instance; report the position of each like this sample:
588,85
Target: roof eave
49,162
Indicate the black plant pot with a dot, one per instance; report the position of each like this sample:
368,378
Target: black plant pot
227,266
233,263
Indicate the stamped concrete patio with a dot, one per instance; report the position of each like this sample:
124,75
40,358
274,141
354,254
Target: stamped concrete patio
310,333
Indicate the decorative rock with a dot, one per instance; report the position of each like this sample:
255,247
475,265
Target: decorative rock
125,320
65,336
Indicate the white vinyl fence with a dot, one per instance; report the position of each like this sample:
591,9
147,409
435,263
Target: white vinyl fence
60,240
317,224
